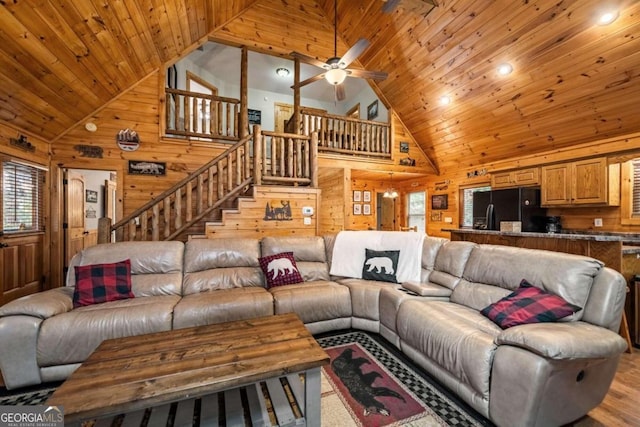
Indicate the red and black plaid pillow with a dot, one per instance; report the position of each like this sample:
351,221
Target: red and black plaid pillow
280,269
98,283
528,304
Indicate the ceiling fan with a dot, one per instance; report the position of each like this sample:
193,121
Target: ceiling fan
336,70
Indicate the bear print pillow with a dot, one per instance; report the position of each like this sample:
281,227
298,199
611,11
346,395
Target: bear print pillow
280,269
380,265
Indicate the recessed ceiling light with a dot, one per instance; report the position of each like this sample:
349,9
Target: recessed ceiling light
608,17
505,69
91,127
445,100
282,72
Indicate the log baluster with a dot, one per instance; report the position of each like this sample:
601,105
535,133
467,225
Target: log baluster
166,210
177,207
200,194
188,200
257,155
144,226
155,222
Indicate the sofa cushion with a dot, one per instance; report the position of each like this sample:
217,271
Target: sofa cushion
569,276
224,305
380,265
313,301
280,269
97,283
528,304
214,264
309,253
156,269
71,337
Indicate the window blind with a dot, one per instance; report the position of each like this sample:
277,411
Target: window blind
22,198
635,207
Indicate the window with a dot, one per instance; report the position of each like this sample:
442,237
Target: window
467,204
417,210
630,196
22,197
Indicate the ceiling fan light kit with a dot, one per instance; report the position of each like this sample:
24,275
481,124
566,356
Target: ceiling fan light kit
335,76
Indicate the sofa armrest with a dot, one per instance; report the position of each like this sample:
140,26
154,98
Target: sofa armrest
564,340
42,305
427,289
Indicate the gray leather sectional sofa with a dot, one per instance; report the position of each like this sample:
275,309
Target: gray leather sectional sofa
529,375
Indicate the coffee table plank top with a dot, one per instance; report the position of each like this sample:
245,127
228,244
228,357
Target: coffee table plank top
126,374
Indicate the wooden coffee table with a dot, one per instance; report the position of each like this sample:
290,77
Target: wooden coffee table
130,375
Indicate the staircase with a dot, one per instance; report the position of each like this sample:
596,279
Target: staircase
257,159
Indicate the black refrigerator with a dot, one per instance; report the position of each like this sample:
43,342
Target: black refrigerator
510,204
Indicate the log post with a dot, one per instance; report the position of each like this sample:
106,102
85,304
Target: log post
296,96
257,155
314,160
244,107
104,230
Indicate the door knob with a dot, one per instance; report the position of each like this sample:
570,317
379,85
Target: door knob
3,245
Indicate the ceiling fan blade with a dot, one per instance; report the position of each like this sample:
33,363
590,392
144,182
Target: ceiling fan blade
310,60
340,93
353,53
389,6
364,74
310,80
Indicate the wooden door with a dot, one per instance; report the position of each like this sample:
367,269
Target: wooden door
282,113
555,187
74,215
589,181
386,213
21,266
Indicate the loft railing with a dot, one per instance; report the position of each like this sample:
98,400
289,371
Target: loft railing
346,135
260,158
198,115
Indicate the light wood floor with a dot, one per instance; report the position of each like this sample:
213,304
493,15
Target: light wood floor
621,406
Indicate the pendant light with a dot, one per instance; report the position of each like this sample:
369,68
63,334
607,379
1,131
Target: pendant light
391,192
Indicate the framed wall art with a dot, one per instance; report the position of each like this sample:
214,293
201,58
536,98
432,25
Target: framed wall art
366,196
440,201
357,209
366,209
357,196
372,110
91,196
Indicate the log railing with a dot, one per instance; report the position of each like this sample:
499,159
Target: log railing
286,158
198,115
260,158
346,135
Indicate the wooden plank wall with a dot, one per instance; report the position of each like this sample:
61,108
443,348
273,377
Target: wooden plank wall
335,184
249,219
138,110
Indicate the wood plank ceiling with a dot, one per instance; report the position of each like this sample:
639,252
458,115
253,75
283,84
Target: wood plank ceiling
574,81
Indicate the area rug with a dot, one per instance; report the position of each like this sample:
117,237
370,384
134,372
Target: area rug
367,384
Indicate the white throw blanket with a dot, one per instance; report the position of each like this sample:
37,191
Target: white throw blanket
349,252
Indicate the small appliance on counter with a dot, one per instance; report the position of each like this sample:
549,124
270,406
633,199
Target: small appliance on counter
553,224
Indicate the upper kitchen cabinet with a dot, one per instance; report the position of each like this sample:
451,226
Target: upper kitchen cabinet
583,182
516,178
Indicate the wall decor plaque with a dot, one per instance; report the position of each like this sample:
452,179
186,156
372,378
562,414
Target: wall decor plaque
140,167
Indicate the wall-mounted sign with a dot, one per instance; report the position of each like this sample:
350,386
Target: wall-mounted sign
22,143
278,210
255,117
137,167
128,140
89,151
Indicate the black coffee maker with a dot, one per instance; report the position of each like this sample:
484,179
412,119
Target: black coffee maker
553,224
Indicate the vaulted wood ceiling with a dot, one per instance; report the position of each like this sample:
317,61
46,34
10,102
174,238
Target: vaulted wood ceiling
573,81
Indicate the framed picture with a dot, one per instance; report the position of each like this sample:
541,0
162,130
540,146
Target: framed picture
436,216
366,196
404,147
357,196
366,209
357,209
372,110
90,196
440,201
255,117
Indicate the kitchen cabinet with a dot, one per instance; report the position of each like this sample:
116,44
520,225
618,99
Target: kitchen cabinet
516,178
583,182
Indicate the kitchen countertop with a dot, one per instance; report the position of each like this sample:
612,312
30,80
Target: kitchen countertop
572,235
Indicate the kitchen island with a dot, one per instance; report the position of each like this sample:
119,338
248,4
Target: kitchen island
605,247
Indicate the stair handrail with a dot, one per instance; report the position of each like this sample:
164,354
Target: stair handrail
160,198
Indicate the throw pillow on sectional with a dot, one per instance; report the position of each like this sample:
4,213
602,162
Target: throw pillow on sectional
97,283
380,265
528,304
280,269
